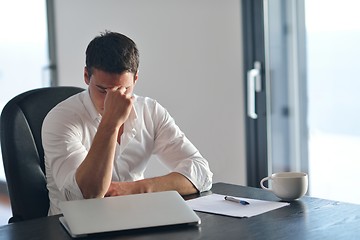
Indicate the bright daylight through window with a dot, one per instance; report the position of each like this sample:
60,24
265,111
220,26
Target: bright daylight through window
333,37
23,48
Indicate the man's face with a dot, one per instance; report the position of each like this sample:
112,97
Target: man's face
100,81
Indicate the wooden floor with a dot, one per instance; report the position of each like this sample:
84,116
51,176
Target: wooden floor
5,208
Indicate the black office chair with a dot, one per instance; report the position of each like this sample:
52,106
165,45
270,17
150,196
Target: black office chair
22,150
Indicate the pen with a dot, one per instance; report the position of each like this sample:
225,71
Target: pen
232,199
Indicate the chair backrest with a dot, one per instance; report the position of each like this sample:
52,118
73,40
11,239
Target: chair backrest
22,151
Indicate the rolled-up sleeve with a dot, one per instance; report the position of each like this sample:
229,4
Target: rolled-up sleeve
176,151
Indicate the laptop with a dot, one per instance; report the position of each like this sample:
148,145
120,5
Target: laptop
100,215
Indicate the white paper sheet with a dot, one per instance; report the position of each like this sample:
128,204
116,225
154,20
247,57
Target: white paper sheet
215,203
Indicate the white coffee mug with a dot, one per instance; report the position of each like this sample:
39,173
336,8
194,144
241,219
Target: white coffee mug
287,186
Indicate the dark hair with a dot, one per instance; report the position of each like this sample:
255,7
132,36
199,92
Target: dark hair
113,53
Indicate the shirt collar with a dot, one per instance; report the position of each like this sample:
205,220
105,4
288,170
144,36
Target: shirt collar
133,113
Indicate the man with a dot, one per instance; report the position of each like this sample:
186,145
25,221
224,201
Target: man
98,142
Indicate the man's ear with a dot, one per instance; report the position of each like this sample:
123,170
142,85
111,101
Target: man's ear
86,76
136,77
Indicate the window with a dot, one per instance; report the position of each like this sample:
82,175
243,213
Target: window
309,77
24,49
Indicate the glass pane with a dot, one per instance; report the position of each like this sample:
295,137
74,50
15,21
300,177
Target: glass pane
312,57
23,48
286,85
333,50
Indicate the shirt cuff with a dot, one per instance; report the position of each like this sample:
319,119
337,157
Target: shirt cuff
198,174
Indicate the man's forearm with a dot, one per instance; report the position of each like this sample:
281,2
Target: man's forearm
94,174
172,181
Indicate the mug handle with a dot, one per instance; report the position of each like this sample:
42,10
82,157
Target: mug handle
262,183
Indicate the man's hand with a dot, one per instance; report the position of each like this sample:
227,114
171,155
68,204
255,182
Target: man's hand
122,188
117,105
172,181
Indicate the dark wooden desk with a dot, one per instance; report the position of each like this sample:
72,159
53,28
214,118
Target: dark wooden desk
308,218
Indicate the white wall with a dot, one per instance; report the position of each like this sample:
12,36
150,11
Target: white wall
190,61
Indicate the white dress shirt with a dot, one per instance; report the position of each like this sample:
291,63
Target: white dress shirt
69,129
